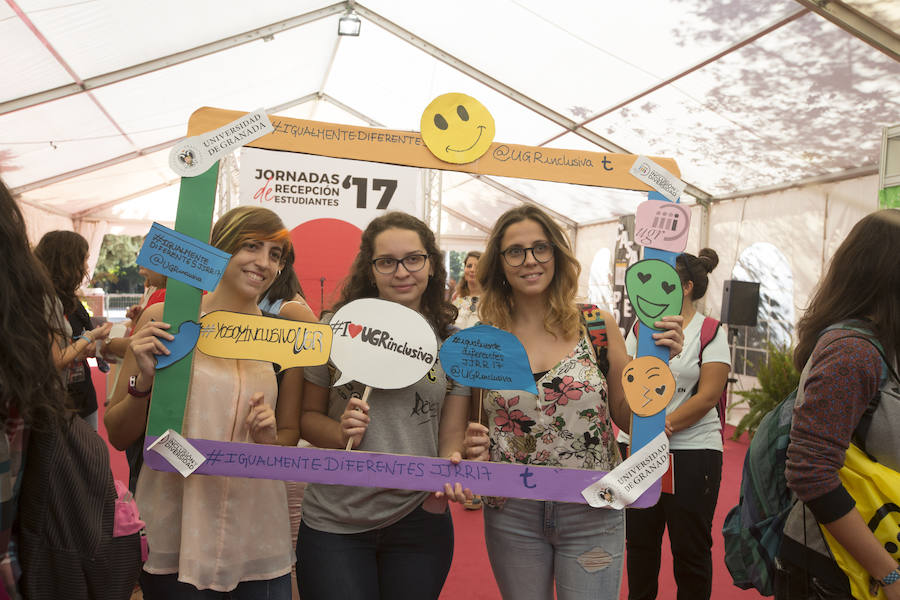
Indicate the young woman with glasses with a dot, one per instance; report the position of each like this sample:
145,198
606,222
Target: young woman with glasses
369,543
529,278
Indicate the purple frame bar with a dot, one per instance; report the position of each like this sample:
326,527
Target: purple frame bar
371,469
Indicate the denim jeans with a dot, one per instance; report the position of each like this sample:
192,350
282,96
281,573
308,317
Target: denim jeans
531,543
167,587
408,560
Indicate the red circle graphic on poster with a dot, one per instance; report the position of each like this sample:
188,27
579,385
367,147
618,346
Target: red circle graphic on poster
325,249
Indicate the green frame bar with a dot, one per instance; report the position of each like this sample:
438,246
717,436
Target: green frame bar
196,201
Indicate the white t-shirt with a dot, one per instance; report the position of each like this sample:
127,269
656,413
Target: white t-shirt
705,434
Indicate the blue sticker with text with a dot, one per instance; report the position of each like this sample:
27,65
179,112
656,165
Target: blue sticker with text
183,258
488,358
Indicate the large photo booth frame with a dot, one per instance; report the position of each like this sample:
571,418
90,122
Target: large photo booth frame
405,148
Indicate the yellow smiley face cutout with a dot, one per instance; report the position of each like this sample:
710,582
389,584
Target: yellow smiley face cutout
649,385
457,128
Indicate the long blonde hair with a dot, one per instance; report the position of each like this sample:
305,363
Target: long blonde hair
496,304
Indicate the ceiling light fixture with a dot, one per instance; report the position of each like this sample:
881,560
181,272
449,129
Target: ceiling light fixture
349,24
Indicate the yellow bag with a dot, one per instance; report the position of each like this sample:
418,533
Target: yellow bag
876,489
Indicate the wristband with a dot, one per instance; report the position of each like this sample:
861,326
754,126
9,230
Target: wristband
134,392
892,577
84,336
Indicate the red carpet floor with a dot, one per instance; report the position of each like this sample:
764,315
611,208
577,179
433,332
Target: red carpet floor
471,579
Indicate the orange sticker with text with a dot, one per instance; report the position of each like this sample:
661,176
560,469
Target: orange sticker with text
649,385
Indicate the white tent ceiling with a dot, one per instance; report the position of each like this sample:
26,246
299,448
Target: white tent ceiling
743,94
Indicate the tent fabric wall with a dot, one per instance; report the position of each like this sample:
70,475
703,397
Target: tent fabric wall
39,221
806,224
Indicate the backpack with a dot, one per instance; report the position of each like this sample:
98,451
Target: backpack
596,328
708,331
71,541
754,528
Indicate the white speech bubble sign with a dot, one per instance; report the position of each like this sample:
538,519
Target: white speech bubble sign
381,344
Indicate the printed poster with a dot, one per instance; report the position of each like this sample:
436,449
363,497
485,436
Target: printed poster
326,203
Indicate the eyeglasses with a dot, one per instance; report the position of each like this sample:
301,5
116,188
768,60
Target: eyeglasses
387,265
515,256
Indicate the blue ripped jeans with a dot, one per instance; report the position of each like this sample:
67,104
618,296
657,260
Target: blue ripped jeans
532,543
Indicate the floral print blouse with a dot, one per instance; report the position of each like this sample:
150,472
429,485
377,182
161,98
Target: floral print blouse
566,425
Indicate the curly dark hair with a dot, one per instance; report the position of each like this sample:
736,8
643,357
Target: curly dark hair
361,284
64,255
28,380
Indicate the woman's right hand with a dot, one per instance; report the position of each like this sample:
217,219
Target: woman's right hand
477,442
354,420
98,334
146,345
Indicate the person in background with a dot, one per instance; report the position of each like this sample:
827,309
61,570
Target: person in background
285,298
64,255
695,441
214,537
114,351
368,543
843,373
529,278
57,495
465,300
468,291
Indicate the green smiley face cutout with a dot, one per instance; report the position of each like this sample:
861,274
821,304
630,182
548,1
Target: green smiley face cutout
654,289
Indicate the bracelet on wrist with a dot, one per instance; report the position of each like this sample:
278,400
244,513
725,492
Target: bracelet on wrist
84,336
892,577
134,392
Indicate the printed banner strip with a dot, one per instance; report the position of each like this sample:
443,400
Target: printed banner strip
194,155
632,478
408,148
178,452
658,178
370,469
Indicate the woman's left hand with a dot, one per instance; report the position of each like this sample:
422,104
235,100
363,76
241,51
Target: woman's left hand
672,334
261,421
455,493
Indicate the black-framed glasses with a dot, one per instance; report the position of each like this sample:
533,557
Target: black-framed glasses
387,265
515,256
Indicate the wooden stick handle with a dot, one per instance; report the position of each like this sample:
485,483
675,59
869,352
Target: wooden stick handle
480,405
365,399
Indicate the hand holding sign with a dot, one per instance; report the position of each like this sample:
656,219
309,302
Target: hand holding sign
355,419
381,344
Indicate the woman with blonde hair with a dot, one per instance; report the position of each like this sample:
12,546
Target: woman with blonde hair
529,278
468,291
215,536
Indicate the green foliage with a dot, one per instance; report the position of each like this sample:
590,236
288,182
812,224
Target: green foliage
116,270
777,378
456,265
